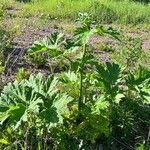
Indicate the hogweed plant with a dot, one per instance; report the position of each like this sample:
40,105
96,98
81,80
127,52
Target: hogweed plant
88,105
56,45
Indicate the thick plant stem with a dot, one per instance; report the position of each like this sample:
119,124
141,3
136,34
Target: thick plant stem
80,102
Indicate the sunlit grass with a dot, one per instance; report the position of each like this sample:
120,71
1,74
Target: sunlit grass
103,10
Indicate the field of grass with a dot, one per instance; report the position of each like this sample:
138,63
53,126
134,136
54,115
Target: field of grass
105,11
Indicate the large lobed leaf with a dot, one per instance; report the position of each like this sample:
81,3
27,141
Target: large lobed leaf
38,96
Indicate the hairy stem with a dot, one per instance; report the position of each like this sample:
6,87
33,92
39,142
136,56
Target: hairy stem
80,102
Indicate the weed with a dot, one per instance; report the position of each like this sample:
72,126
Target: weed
22,74
129,53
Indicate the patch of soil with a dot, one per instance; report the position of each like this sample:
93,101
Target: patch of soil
146,45
31,33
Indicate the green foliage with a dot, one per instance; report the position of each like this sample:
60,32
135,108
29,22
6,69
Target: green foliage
50,44
104,11
22,74
34,103
87,106
130,53
37,59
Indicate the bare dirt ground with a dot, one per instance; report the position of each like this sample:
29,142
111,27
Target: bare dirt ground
31,34
33,29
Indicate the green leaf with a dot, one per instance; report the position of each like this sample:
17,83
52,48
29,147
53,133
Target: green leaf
9,130
113,33
61,105
100,30
110,73
16,114
50,44
34,105
109,77
37,48
139,77
118,97
50,115
4,141
41,86
20,99
54,53
83,34
3,117
100,104
56,39
68,77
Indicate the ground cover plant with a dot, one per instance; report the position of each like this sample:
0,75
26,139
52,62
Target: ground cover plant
87,104
105,11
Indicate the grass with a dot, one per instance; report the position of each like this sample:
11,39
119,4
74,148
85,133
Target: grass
105,11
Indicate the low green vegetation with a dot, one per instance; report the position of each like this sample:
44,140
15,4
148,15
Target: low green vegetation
104,11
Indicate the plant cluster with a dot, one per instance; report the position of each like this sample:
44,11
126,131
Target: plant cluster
88,105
